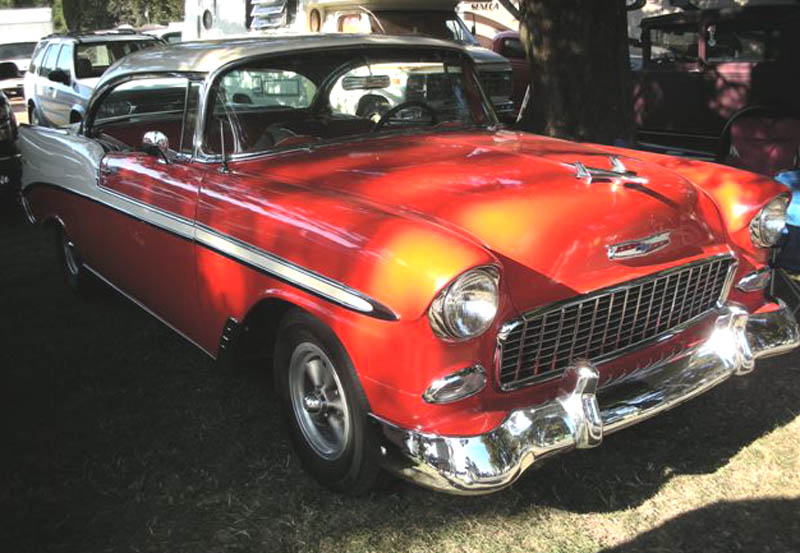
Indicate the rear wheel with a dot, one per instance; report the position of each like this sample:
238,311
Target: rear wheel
324,405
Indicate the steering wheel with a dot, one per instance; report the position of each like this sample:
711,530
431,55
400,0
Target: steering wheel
400,107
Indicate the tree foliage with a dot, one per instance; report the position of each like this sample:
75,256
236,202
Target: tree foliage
85,15
580,73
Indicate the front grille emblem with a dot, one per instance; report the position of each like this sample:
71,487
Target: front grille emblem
638,248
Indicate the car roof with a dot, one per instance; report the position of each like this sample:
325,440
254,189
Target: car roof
209,55
100,37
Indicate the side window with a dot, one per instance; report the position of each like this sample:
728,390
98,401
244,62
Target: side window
64,61
512,49
729,43
136,107
678,44
351,23
247,101
36,60
49,62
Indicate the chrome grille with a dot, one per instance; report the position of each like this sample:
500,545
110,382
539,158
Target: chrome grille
601,325
496,84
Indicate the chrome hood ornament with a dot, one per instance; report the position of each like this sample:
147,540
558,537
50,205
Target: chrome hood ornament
617,172
640,247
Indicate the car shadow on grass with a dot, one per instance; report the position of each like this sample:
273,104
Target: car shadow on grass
119,435
763,525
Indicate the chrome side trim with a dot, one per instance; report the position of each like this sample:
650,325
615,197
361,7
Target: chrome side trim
580,415
237,250
291,273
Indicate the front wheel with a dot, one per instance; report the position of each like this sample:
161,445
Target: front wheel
324,405
33,117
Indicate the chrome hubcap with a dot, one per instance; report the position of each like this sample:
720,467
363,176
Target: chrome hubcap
318,401
69,256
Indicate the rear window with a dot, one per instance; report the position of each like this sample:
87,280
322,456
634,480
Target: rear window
92,60
16,50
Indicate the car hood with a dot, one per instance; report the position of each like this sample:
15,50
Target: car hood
482,56
517,196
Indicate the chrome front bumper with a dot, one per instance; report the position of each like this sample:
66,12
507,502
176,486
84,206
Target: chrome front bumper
582,414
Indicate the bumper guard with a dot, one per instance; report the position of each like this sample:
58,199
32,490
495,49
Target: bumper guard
582,414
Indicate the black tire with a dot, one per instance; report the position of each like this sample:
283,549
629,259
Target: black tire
76,276
355,469
33,117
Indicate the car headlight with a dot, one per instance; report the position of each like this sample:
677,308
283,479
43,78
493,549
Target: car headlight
467,307
766,227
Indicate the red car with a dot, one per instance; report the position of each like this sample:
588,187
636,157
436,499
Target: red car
440,298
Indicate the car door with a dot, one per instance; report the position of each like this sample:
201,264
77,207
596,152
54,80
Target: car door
511,48
671,95
44,86
156,191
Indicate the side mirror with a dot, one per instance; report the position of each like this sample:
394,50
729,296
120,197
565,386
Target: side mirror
155,143
8,70
59,76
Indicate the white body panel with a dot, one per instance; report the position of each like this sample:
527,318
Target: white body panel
61,157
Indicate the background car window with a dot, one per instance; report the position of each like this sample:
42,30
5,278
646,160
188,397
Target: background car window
350,23
512,48
15,50
93,59
136,107
49,63
38,54
674,45
729,43
64,61
369,91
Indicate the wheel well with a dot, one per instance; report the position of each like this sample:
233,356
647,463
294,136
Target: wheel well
259,329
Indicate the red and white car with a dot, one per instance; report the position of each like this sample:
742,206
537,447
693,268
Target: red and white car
440,298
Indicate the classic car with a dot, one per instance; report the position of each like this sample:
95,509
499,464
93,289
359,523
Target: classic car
9,156
439,297
703,69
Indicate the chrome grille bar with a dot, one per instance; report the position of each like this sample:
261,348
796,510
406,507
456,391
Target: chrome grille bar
605,324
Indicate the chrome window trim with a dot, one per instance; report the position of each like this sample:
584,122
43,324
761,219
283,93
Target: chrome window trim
509,326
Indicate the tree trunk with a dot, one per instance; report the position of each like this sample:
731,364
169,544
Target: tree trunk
580,73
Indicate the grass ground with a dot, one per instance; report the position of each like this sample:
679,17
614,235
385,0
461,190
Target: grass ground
116,435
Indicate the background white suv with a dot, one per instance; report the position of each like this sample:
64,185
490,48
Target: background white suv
65,69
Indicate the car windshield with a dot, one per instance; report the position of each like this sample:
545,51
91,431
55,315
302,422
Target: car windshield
16,50
436,24
305,99
92,59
